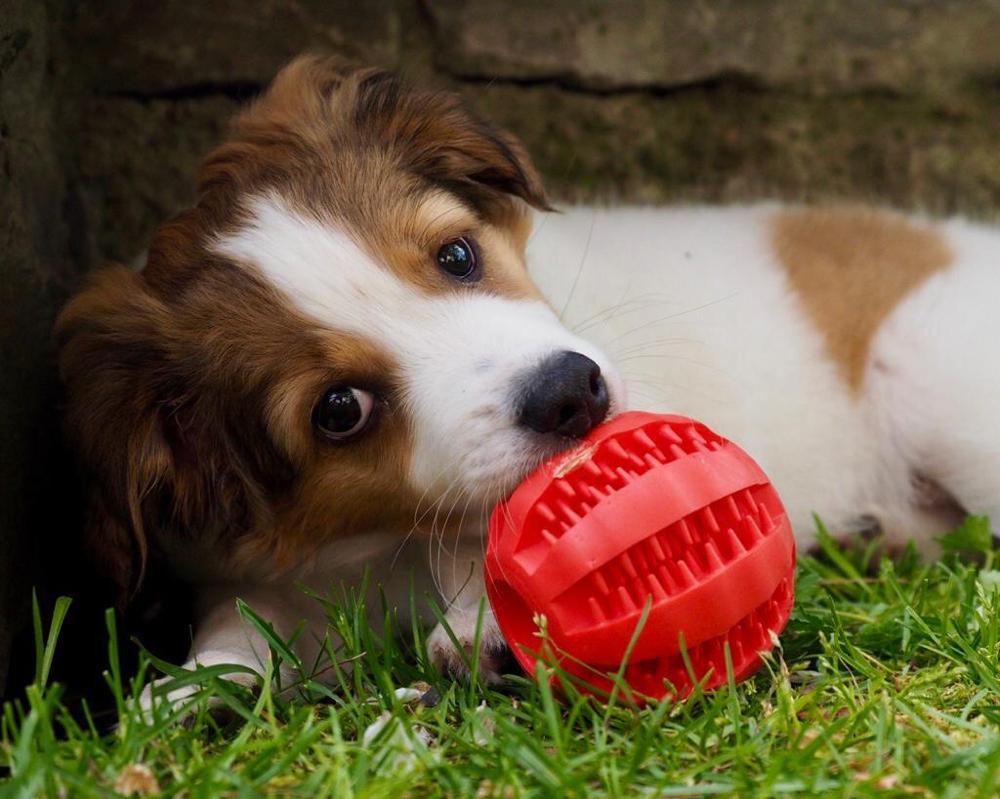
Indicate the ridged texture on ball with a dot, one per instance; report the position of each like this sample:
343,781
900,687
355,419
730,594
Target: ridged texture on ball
650,508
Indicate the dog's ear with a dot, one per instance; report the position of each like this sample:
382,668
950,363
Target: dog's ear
113,360
441,139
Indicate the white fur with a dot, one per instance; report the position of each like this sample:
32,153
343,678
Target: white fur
694,309
702,322
935,377
461,353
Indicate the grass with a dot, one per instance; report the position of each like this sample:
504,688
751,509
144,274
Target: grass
886,682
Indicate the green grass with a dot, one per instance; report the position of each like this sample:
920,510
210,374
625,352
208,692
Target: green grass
886,682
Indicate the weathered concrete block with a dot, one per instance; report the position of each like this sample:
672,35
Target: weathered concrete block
816,46
171,45
723,144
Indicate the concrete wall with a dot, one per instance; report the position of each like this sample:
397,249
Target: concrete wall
106,107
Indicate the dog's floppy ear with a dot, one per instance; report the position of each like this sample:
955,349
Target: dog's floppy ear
443,140
112,341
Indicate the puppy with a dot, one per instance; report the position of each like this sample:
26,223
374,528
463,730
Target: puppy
343,356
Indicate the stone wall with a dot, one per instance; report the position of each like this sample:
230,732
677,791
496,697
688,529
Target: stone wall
106,107
34,272
644,100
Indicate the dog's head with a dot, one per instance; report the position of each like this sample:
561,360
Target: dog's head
340,333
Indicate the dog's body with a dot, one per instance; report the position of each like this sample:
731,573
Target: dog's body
337,359
848,349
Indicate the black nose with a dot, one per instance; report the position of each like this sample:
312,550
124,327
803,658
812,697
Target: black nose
565,395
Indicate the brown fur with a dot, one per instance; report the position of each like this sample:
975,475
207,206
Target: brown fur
191,384
851,267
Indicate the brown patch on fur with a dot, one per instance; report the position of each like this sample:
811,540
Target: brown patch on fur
190,385
850,268
342,488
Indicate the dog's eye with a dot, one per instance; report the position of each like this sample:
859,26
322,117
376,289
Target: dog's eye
458,259
343,412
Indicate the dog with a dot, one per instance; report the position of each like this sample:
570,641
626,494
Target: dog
361,338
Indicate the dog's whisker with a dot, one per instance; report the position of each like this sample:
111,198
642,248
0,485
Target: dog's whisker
660,387
667,356
443,530
628,350
416,511
667,318
438,504
458,538
538,228
439,531
611,309
431,484
504,509
622,308
579,272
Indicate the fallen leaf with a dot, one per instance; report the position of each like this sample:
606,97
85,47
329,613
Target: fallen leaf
137,779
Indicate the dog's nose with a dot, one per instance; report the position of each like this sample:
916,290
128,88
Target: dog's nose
565,395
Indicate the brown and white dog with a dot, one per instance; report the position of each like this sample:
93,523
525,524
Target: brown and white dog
343,356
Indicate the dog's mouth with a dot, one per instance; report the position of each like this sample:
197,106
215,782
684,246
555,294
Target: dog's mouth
538,454
545,448
504,457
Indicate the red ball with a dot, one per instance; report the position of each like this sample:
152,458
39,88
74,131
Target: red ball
648,508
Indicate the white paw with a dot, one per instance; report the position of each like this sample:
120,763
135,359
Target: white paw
156,702
495,658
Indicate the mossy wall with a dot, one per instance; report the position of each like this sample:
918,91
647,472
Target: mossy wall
106,108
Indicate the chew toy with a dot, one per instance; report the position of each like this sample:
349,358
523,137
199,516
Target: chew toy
648,508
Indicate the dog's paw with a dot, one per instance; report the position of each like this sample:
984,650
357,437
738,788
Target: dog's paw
157,701
495,657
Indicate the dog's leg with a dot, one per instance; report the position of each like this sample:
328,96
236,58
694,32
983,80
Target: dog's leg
461,582
935,375
222,637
